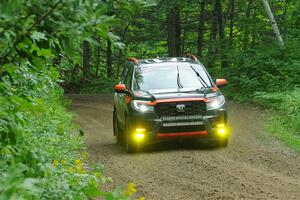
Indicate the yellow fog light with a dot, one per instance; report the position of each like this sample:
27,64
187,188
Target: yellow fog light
139,134
221,129
220,125
139,130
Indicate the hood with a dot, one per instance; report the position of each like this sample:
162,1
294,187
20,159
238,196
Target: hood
159,96
169,94
174,93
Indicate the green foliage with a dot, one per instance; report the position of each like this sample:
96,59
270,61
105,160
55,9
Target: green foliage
41,150
64,23
263,69
286,123
269,77
41,155
35,132
105,86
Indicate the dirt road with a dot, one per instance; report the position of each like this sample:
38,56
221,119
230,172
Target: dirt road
251,167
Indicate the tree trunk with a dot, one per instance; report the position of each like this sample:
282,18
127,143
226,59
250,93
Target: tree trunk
120,56
246,24
85,59
213,37
201,29
184,33
177,32
254,26
273,22
231,17
284,17
109,70
97,54
220,17
174,31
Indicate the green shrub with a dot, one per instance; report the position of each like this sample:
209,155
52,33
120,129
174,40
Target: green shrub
262,69
268,76
285,124
104,86
40,151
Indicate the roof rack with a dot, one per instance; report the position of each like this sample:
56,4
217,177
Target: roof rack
194,58
134,60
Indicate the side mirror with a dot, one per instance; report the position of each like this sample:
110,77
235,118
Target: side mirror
120,88
221,82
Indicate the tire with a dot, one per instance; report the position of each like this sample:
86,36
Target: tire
117,131
223,142
130,146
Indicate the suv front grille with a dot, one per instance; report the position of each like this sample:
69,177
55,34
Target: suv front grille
176,120
181,129
190,108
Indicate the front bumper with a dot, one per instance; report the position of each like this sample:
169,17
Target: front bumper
205,126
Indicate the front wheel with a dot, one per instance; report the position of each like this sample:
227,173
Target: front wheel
223,142
117,131
130,146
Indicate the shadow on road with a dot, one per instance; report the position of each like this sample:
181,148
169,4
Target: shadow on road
163,146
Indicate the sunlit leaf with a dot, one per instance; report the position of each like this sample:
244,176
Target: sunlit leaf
44,52
37,36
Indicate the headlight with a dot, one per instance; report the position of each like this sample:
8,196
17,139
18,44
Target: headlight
142,106
215,102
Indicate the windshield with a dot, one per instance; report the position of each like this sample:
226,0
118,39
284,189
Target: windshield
181,76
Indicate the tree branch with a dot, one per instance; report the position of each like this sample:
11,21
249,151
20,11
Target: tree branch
38,21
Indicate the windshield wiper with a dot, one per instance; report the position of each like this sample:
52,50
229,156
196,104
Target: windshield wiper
178,79
202,81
